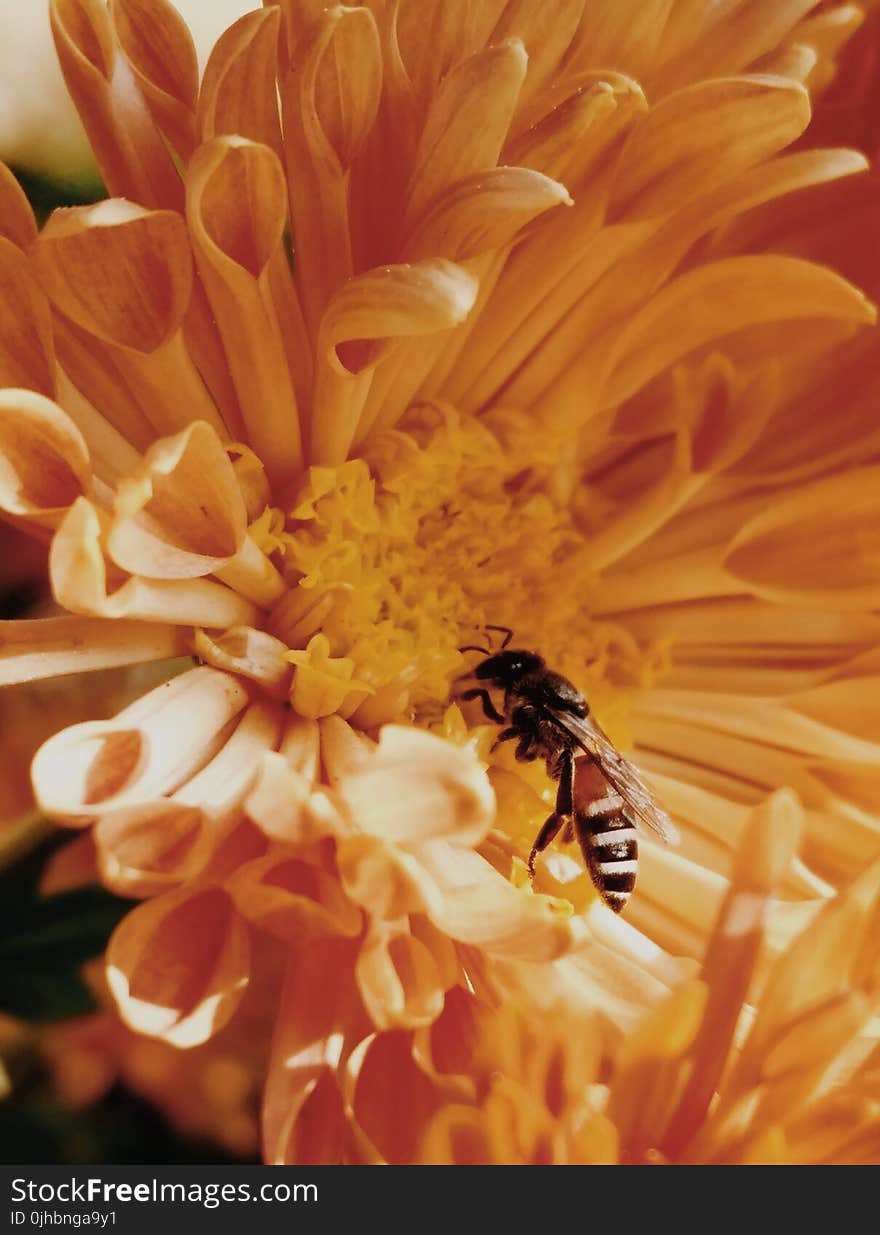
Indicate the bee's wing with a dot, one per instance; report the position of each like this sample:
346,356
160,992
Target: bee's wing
619,773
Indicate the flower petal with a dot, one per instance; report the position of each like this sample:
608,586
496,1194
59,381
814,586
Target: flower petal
365,321
178,966
720,298
768,844
51,647
297,900
417,787
317,1012
253,654
150,848
149,748
120,271
815,544
44,461
706,133
181,515
330,95
398,979
27,356
393,1099
484,211
381,306
124,274
236,208
18,223
478,906
159,47
451,145
79,581
133,160
238,92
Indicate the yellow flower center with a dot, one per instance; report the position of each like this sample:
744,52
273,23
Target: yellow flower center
397,559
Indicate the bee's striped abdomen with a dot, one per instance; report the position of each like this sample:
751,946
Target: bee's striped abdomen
610,847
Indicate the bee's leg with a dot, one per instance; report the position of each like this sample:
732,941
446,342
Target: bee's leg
506,735
562,815
489,709
502,630
544,837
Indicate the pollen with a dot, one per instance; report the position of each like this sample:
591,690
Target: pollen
399,558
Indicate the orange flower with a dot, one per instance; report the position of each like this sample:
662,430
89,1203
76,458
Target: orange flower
527,366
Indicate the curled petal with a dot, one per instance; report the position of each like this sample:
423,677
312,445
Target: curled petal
430,38
220,787
547,31
417,787
343,749
44,461
566,141
253,654
398,979
330,94
252,574
72,866
342,82
365,321
150,748
146,849
478,906
285,807
386,880
484,211
375,309
486,85
121,272
179,965
133,160
283,802
296,900
238,92
251,477
159,47
182,515
301,747
79,581
393,1099
236,207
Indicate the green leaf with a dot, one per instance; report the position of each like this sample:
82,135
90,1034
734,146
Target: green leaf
45,940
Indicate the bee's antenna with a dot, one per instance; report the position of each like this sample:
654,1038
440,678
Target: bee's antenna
471,648
502,630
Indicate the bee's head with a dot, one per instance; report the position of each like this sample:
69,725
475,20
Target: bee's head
505,669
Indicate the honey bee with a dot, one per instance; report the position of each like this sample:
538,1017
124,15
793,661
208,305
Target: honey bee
601,799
